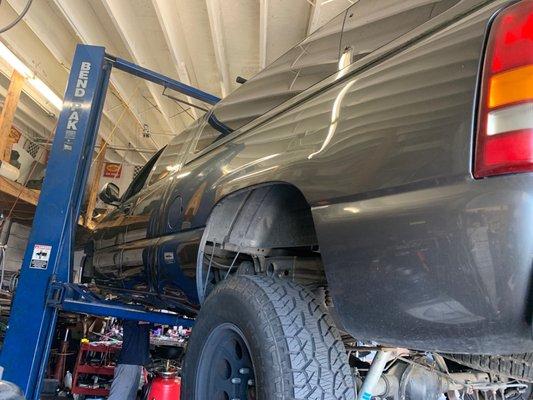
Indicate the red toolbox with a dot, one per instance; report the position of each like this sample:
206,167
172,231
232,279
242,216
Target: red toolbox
94,369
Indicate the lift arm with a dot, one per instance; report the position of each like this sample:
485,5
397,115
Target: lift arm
164,81
78,299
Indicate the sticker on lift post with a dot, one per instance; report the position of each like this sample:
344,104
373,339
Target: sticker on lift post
40,256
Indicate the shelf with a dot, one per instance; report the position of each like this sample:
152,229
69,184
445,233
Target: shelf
90,369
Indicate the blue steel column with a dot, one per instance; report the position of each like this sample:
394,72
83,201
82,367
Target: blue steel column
32,324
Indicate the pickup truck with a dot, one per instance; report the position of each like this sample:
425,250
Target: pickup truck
367,196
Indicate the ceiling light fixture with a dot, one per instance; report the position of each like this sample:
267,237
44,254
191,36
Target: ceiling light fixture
35,82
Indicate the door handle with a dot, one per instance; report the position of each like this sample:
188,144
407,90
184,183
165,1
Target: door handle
126,209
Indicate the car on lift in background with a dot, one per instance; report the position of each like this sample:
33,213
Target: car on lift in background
370,189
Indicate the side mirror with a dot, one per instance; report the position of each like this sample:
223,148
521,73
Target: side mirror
110,194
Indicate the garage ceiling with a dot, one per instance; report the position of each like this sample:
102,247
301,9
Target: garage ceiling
205,43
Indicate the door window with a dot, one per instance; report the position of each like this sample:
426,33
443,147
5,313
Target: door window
138,182
207,135
171,158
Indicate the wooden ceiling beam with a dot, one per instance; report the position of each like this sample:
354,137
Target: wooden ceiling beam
217,34
8,114
18,191
98,167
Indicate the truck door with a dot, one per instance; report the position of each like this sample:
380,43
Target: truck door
145,227
107,247
110,233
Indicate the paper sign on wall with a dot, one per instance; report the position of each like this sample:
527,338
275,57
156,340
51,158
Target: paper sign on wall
112,170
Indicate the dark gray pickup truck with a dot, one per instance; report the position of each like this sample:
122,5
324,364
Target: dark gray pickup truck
356,217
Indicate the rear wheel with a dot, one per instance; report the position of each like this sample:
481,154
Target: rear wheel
265,338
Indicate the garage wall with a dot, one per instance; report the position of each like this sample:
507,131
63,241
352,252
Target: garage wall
14,252
16,245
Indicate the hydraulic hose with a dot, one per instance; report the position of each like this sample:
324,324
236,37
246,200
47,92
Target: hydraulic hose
18,19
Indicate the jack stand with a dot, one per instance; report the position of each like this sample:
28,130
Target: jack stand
45,285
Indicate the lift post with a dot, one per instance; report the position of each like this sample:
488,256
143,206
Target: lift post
45,286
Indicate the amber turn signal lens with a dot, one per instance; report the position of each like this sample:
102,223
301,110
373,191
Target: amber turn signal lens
511,86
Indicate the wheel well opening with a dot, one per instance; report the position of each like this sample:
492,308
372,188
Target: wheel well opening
267,230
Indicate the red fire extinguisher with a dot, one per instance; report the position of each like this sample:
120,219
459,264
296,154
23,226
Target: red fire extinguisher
165,386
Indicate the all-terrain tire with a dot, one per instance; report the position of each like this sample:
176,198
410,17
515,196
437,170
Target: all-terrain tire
516,366
295,348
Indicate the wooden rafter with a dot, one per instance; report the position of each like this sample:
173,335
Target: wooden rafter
98,166
16,190
8,114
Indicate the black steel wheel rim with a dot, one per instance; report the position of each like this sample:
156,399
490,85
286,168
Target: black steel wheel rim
225,370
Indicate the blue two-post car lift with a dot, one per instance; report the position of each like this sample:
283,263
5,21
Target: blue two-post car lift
45,286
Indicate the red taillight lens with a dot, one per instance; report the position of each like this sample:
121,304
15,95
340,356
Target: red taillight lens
505,129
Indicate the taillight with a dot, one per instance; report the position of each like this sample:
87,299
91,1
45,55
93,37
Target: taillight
505,128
